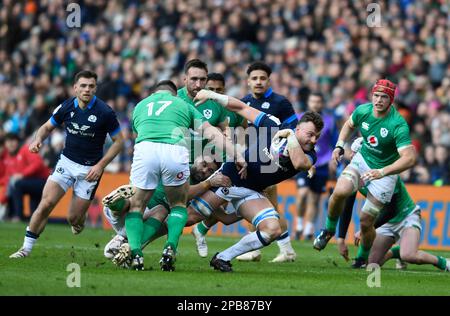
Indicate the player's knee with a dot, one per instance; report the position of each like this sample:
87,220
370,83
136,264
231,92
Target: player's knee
46,205
409,256
267,220
272,228
366,224
342,192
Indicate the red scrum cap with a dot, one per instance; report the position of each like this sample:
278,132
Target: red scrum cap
385,86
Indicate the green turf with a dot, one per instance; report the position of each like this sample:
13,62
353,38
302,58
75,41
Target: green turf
314,273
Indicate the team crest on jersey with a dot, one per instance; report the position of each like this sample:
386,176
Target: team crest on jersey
225,191
265,105
92,118
71,114
207,113
180,175
60,170
383,132
372,140
365,125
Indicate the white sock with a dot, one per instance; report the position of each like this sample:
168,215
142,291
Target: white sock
29,240
299,223
247,243
309,229
284,243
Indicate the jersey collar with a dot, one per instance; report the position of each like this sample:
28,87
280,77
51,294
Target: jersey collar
90,104
268,92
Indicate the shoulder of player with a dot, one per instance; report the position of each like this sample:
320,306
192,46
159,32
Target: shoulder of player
102,106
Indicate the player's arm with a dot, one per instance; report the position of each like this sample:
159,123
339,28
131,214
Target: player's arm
345,133
220,141
408,158
215,181
41,134
300,160
230,103
96,171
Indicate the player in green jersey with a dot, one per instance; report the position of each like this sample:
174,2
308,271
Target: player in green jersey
403,225
386,151
196,72
116,203
161,122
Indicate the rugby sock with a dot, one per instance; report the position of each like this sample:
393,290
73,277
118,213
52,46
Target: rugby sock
29,240
442,263
117,206
175,224
395,252
299,223
284,242
363,252
151,226
203,228
331,224
249,242
161,232
309,229
135,228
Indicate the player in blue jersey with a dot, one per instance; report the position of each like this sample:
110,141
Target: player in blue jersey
87,121
310,189
263,170
265,100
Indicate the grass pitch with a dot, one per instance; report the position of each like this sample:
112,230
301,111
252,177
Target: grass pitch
313,273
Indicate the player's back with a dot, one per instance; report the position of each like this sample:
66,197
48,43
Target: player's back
164,118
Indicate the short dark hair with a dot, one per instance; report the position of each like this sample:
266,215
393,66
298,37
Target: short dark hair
315,118
259,65
216,77
317,94
85,74
195,63
165,84
9,136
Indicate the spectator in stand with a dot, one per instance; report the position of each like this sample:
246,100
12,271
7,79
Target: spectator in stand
24,174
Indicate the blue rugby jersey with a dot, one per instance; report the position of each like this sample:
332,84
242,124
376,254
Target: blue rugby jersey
262,171
85,129
271,103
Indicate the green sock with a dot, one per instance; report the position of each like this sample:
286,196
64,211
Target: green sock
442,263
363,252
395,252
135,228
151,226
117,206
202,228
175,224
331,224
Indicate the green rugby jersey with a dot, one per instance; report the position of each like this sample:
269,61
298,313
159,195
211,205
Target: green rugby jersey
382,136
164,118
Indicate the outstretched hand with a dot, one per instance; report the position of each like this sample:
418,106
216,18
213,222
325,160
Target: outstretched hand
201,97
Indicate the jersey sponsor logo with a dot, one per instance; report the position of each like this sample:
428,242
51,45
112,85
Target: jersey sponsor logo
92,118
265,105
77,130
372,140
383,132
365,125
207,113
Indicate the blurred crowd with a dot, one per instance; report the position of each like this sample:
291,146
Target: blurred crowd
311,45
